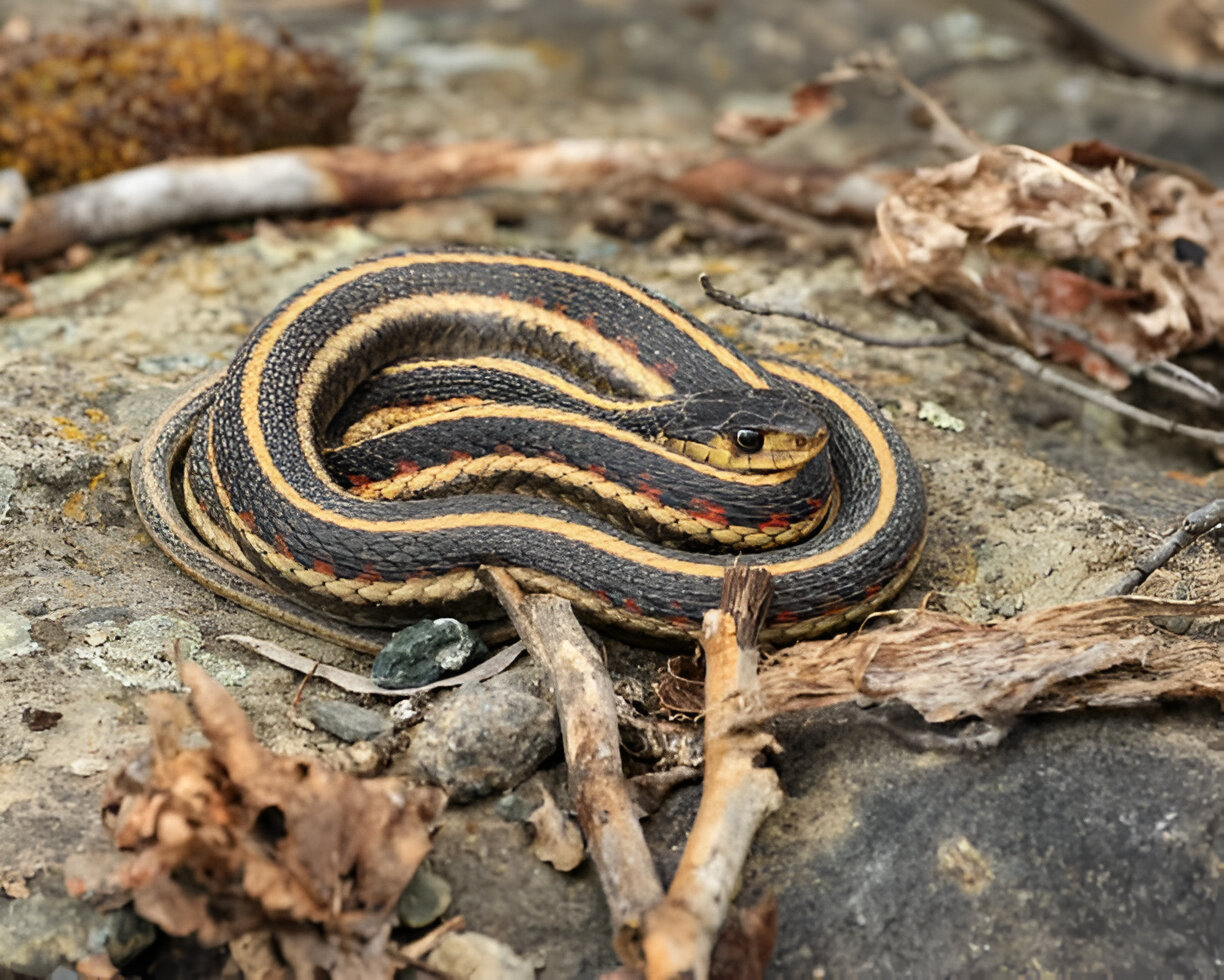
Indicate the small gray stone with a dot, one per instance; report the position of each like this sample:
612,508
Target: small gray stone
51,929
348,722
15,639
487,737
423,652
427,896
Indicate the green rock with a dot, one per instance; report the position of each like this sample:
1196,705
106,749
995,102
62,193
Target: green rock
425,651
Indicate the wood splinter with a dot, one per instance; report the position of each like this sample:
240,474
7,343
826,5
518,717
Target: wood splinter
737,792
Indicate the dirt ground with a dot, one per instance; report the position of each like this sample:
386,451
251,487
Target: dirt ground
1101,835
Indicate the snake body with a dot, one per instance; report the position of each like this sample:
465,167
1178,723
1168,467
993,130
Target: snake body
393,426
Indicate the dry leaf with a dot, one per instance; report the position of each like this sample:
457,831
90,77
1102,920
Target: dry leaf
557,838
746,942
229,839
1104,652
1018,238
809,101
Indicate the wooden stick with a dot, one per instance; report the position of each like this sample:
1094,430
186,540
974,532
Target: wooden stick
737,793
586,707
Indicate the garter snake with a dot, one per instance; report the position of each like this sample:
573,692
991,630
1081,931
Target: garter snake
609,448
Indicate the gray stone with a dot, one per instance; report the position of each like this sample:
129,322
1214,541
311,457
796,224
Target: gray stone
425,651
15,639
487,737
348,722
51,929
425,899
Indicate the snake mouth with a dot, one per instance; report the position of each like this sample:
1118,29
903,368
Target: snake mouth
779,451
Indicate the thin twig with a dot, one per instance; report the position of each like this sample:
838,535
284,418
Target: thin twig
1023,361
1017,358
1196,524
817,319
1162,373
356,683
737,793
586,708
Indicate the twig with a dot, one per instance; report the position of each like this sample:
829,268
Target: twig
817,319
1196,524
737,793
1163,374
586,707
1017,358
356,683
1023,361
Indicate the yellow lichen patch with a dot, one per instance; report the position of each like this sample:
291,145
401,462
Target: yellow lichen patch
79,106
74,506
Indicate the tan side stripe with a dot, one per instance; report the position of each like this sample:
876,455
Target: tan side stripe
703,340
606,542
573,421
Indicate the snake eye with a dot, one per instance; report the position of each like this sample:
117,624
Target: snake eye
749,440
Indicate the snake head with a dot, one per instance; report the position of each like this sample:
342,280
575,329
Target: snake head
758,430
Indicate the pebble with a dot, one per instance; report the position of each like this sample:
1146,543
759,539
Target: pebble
348,722
425,651
15,639
424,900
473,956
487,737
50,929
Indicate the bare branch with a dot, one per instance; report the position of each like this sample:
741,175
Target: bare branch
586,707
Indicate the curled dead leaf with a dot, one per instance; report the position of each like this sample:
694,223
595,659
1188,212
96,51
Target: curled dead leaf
229,839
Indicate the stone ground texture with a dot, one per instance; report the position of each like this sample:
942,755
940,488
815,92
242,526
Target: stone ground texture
1087,843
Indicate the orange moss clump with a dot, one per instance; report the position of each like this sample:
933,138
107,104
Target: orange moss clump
78,106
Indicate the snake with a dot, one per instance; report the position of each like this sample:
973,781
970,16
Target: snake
395,425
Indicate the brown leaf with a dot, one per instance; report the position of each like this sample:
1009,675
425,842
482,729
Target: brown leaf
1007,233
809,101
746,942
231,838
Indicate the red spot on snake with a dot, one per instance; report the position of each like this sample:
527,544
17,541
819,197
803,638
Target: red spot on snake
707,510
646,490
629,344
248,520
665,368
872,590
358,479
598,470
783,616
555,456
323,567
406,467
536,301
589,321
369,574
633,607
776,522
683,622
282,546
816,503
504,449
458,454
560,307
602,596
